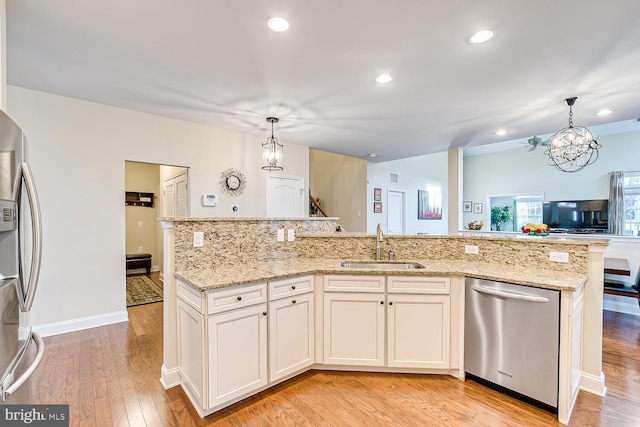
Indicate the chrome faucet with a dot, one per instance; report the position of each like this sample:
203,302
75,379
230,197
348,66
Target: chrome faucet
379,238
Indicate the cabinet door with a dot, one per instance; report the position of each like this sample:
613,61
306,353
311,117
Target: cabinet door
418,329
190,334
291,339
354,329
237,353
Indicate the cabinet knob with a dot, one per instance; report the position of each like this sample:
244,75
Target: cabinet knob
264,313
239,298
382,302
293,301
390,303
293,286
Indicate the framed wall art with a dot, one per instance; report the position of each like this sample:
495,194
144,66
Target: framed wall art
377,194
467,206
477,208
429,204
377,207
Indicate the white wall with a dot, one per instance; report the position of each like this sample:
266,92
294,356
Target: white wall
415,173
78,151
519,171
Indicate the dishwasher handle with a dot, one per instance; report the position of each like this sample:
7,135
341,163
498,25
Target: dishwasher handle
511,295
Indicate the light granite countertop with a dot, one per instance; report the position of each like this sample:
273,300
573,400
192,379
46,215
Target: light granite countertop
203,279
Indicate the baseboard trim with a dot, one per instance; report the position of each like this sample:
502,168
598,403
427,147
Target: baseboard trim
593,384
80,324
620,304
169,377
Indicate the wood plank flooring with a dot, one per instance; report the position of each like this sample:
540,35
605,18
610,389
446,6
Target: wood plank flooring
109,377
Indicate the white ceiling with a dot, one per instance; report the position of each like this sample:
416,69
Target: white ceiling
216,62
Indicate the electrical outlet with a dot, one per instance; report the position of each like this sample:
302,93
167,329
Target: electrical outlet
559,256
140,249
291,235
198,239
471,249
140,224
281,235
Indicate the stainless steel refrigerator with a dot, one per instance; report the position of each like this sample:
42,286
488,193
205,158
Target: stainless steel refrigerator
20,249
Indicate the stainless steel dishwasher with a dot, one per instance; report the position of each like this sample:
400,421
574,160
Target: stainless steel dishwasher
511,339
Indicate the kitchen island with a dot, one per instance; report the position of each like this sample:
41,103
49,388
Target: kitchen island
229,268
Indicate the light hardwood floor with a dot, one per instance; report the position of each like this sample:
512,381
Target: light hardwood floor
109,376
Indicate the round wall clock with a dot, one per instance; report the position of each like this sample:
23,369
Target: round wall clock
232,182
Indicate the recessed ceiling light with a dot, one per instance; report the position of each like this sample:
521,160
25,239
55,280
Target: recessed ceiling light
278,24
501,132
481,36
604,112
372,154
384,78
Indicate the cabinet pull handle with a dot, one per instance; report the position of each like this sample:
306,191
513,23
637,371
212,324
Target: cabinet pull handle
239,298
264,313
293,301
293,287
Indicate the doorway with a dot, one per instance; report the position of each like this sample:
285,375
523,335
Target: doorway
151,191
396,212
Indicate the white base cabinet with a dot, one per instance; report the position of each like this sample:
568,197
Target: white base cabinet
234,342
237,356
413,314
291,335
237,341
190,342
354,329
418,331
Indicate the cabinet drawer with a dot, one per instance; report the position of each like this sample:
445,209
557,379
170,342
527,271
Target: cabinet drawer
289,287
349,283
236,297
189,295
419,285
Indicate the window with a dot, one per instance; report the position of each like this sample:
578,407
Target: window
529,210
525,208
632,203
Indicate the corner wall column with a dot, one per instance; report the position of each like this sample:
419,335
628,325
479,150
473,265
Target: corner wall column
454,190
592,375
169,376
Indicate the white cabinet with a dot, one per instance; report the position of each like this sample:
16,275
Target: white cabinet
418,331
291,335
237,356
415,313
418,322
190,341
354,329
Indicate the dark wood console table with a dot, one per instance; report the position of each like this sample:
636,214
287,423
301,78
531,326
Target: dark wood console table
617,266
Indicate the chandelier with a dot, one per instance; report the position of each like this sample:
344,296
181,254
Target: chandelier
272,150
573,148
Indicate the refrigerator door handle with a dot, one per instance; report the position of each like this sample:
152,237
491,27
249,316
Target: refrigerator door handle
27,373
511,295
25,175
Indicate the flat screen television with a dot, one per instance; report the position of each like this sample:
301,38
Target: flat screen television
578,215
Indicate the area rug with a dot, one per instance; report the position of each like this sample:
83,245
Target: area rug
142,290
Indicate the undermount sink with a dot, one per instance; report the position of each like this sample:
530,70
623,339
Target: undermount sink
382,264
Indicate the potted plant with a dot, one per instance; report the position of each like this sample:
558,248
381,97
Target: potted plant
500,215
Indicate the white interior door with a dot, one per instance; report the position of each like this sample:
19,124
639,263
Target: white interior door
395,212
285,196
176,196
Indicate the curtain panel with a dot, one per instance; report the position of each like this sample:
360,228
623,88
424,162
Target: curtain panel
616,202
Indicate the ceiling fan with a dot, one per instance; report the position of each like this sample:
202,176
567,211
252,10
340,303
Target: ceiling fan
535,141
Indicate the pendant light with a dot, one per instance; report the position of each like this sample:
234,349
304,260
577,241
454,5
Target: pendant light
272,150
573,148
